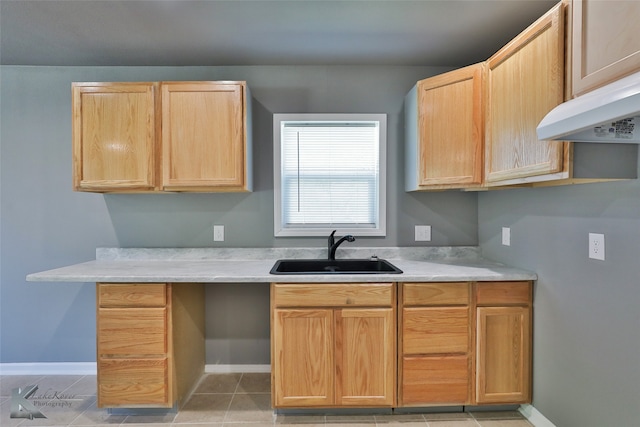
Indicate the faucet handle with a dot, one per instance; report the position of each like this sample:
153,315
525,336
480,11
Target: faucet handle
331,238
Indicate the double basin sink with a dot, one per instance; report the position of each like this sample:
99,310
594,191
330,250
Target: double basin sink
336,266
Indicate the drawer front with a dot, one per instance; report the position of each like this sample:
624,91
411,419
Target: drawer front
333,295
435,330
435,380
132,295
133,382
503,293
129,331
435,293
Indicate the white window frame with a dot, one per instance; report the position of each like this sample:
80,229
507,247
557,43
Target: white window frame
380,229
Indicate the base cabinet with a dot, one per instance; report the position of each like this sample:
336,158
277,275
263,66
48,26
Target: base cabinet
150,342
333,345
464,343
435,345
503,343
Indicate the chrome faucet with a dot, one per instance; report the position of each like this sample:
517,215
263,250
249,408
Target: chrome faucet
333,245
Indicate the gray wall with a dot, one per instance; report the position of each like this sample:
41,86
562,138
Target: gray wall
586,312
46,225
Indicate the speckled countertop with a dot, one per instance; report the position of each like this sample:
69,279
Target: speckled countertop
252,265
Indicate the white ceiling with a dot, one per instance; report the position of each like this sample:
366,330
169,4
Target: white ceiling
264,32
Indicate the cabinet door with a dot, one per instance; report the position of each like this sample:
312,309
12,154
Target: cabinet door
605,42
503,355
114,136
203,136
302,365
450,127
365,357
525,81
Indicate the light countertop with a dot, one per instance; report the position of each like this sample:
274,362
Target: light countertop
211,265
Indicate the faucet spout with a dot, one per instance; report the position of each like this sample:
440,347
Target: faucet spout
333,245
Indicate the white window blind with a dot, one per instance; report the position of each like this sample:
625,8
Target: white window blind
330,177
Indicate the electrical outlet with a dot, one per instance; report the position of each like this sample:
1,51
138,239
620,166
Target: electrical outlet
506,236
423,233
218,233
596,246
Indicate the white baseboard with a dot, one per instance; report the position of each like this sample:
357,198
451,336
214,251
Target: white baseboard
535,417
49,368
233,369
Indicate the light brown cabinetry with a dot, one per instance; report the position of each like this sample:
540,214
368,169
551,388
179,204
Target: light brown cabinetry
115,136
475,127
605,42
464,343
333,345
445,130
503,343
150,343
435,344
169,136
525,82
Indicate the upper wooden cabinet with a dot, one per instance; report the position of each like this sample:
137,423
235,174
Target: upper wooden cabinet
605,42
445,130
192,136
204,136
525,82
114,136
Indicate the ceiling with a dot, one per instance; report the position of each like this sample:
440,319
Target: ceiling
264,32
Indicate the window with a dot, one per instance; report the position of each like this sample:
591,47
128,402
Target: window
329,174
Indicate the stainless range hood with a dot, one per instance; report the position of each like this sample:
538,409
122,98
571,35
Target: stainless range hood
608,114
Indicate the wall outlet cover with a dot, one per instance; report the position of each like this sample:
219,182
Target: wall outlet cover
423,233
506,236
218,233
596,246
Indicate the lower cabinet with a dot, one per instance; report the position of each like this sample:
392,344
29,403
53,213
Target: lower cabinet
150,342
464,343
503,343
435,344
333,345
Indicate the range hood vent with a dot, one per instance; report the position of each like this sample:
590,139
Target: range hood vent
608,114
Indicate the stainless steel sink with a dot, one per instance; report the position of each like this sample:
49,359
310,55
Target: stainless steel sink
338,266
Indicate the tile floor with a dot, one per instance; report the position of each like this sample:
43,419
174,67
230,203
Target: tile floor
220,400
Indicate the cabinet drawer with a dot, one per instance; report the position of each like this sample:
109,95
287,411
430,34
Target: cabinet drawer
334,295
435,330
133,382
435,380
435,293
501,293
132,295
127,331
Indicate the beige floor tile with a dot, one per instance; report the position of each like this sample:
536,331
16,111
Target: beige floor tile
347,423
306,420
504,423
447,416
94,416
198,424
59,412
9,382
204,408
160,419
351,419
453,423
218,383
255,383
253,407
408,420
85,386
